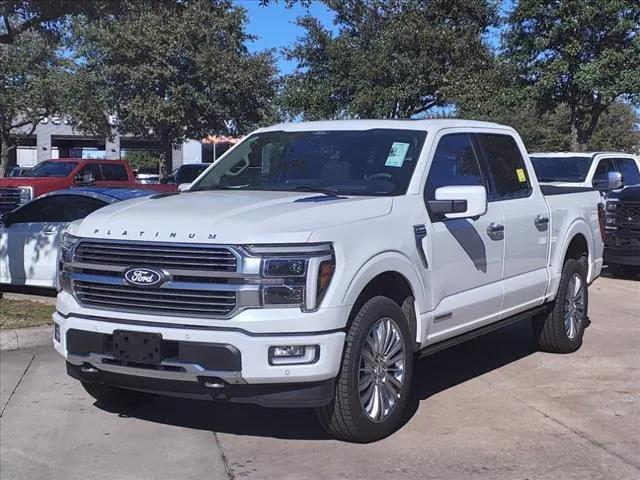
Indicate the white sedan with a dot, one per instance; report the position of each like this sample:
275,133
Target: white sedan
30,234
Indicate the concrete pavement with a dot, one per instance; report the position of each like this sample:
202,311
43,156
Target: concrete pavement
492,408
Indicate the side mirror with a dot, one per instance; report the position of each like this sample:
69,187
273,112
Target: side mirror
611,181
459,201
183,187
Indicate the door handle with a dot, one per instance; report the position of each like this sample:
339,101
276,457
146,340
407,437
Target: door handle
49,231
542,223
495,231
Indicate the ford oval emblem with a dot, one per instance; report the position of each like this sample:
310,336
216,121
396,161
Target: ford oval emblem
143,277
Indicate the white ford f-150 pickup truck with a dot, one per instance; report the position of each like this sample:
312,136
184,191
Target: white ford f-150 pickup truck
314,262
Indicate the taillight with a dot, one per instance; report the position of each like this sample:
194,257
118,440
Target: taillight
601,218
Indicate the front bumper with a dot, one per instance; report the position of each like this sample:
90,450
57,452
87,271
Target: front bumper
251,380
287,395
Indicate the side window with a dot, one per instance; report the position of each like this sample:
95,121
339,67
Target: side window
114,172
604,167
93,169
454,163
507,167
629,170
57,209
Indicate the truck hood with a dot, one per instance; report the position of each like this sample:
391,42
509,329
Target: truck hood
40,184
236,217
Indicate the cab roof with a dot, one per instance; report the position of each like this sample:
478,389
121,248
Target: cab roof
408,124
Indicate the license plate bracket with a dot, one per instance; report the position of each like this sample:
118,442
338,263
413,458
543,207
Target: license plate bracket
137,347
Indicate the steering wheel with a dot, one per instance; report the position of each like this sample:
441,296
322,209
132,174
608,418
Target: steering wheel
381,175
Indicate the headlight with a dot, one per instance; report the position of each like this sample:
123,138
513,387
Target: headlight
612,206
67,246
295,275
26,195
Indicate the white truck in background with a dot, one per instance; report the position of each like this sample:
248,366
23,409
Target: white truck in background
586,169
314,262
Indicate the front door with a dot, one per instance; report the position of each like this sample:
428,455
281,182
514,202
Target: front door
466,255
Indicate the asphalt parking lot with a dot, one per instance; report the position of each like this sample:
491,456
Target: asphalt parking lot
492,408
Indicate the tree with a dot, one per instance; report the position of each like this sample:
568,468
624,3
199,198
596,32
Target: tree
389,58
49,17
186,79
584,54
31,73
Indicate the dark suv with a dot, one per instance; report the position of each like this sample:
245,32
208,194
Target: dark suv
622,247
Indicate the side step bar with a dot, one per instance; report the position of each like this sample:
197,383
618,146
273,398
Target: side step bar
450,342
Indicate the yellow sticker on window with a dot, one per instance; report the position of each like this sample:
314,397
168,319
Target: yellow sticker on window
522,178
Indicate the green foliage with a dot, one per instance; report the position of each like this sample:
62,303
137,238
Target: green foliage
584,54
389,59
138,159
31,76
548,131
171,70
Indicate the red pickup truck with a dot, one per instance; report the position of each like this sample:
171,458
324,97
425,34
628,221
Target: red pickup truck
63,173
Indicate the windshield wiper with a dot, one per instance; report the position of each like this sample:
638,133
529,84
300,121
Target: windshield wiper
325,191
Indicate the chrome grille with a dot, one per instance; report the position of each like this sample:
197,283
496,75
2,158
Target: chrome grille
164,301
184,257
9,199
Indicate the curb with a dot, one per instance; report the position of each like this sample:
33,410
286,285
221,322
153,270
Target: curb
26,337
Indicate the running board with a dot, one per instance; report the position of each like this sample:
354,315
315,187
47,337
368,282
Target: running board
450,342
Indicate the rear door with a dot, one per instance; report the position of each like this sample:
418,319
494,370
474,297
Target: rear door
466,255
526,221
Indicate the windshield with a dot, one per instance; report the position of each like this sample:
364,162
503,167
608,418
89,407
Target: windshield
561,169
363,162
52,169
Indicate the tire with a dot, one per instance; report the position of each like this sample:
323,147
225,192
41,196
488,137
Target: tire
347,416
623,271
561,328
113,396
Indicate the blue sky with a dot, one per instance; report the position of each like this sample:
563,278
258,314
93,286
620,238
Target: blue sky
275,26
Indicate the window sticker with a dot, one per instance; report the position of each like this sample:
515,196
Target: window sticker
397,154
522,178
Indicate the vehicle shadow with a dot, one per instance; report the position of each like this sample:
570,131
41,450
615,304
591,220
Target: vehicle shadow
433,375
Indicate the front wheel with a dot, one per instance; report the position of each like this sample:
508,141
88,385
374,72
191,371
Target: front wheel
374,381
560,329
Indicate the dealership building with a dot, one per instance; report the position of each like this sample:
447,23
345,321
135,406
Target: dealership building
54,137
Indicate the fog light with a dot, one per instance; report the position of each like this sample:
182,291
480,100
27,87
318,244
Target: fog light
293,354
56,332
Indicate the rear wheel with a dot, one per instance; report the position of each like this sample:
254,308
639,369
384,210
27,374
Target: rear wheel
560,329
623,271
373,385
113,396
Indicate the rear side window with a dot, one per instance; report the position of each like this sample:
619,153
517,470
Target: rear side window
629,171
114,172
507,167
454,163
